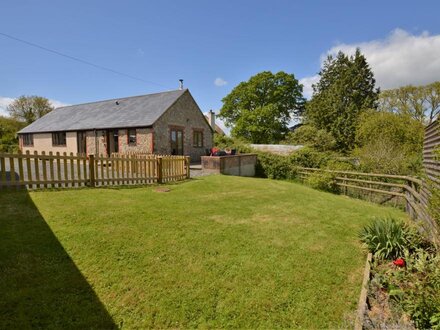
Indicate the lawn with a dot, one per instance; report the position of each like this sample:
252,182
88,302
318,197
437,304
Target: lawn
213,252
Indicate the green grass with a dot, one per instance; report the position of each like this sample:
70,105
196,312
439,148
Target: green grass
213,252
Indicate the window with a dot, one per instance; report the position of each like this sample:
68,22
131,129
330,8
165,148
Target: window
197,139
28,140
59,139
132,137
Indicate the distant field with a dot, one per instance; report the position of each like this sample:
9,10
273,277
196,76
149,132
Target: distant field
213,252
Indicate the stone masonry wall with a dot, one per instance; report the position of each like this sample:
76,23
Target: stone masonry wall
91,142
184,114
144,141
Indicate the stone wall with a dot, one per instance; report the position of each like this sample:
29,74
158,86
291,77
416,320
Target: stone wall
91,143
144,141
184,114
238,165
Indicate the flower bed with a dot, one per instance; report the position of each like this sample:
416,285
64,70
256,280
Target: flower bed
404,286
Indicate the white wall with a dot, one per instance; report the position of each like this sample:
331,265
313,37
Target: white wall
43,142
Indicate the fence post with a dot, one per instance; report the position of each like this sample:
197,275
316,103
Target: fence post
159,170
414,213
187,162
408,197
345,188
92,170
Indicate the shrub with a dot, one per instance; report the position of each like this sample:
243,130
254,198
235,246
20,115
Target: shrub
388,157
434,203
413,290
401,129
323,181
340,165
309,157
434,200
309,135
286,167
275,167
389,143
389,238
421,298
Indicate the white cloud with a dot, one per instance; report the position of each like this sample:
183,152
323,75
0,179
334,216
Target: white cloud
400,59
307,83
5,101
58,104
220,82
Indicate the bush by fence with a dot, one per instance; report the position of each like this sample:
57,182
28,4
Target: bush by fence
285,167
405,189
324,181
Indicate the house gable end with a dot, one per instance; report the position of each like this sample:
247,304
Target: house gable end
186,114
171,108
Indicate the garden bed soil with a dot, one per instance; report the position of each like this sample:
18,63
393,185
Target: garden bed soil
382,311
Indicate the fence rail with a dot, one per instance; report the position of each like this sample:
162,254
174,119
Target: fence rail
63,170
408,189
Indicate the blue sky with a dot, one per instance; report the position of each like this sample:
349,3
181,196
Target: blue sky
205,41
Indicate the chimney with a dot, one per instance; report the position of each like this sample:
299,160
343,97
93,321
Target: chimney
212,119
180,84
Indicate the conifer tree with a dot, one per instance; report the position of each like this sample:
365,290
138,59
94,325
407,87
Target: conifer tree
345,90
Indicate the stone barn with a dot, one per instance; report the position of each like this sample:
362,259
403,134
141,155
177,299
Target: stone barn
163,123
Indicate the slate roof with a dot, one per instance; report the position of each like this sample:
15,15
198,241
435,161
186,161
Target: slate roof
134,111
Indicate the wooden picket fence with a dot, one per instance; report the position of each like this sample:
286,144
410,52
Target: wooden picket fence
407,189
173,167
57,170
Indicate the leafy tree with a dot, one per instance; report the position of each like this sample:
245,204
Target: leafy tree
407,100
8,134
345,90
29,108
420,102
433,100
389,143
260,109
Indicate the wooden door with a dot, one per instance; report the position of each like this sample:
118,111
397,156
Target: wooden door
176,140
112,141
81,142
